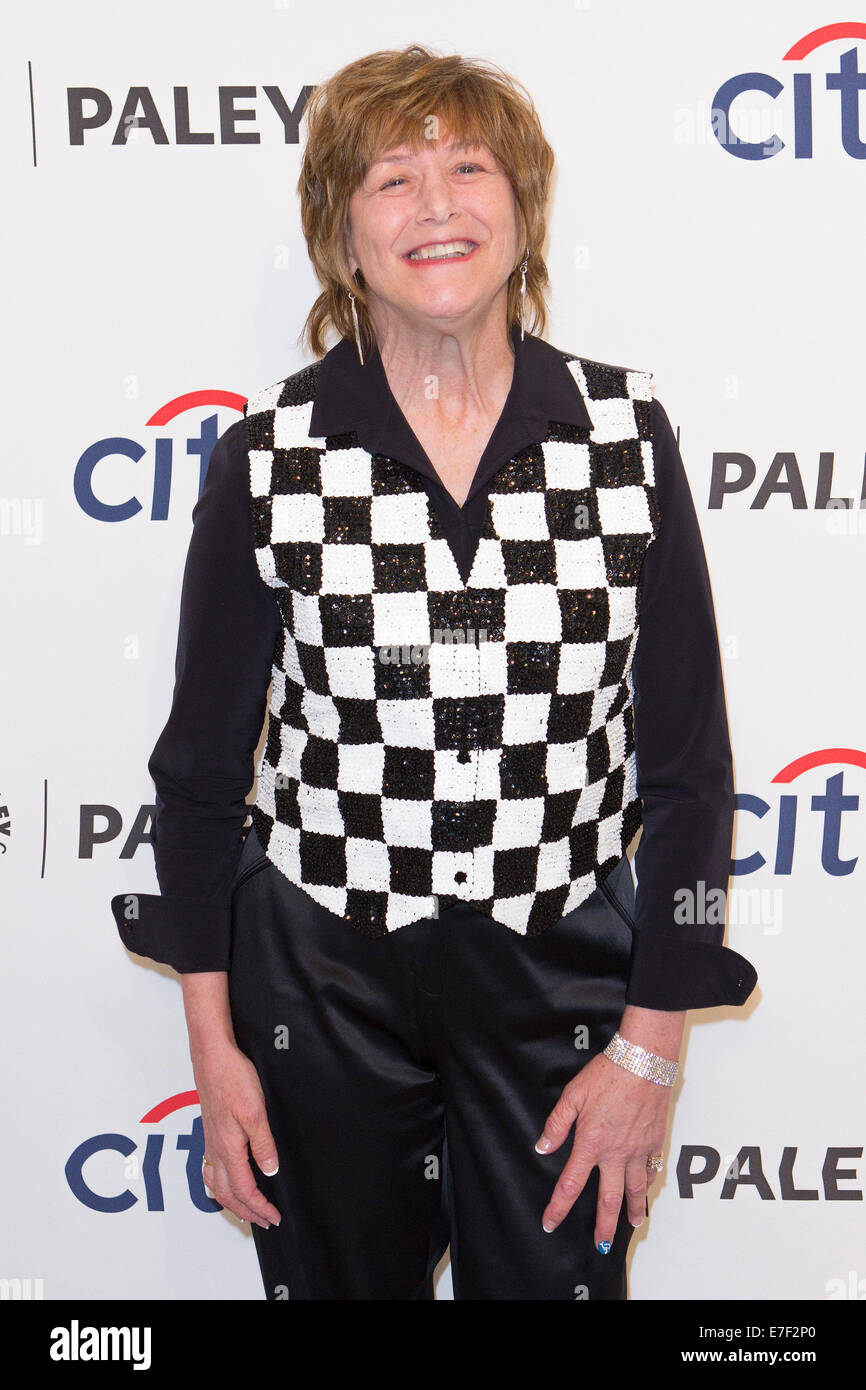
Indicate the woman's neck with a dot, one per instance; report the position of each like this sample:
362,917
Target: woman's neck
448,371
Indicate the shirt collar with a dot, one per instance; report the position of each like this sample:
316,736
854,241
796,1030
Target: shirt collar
351,397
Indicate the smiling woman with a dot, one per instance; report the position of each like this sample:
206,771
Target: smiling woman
456,219
441,251
436,122
429,964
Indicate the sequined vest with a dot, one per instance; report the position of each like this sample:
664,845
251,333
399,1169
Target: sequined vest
431,741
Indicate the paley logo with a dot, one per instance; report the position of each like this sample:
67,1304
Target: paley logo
159,482
831,803
848,81
141,1158
702,1166
91,109
734,474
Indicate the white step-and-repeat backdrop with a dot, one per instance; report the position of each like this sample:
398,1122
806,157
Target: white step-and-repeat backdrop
708,225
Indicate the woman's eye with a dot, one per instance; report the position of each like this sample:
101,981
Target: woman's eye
400,178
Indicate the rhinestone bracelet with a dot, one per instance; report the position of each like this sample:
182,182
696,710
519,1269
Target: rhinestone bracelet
643,1063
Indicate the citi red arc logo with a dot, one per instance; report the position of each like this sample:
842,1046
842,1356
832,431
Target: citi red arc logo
153,480
832,803
142,1157
847,80
168,1107
194,400
820,758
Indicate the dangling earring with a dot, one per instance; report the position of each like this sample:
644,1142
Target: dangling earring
523,264
357,330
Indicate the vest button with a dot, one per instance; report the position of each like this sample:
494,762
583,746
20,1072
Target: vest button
460,876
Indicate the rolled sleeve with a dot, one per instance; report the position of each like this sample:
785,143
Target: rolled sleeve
203,763
190,934
684,765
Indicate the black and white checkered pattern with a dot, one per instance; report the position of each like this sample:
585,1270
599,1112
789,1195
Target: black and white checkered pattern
499,771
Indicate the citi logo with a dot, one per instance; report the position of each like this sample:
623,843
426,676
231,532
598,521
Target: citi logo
846,80
828,804
100,1169
154,460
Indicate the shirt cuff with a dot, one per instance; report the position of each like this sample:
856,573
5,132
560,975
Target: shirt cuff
189,934
670,972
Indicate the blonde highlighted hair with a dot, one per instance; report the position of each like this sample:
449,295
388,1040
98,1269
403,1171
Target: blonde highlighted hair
386,99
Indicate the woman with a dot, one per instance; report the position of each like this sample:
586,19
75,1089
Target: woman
427,968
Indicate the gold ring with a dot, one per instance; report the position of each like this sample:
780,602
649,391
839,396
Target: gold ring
656,1162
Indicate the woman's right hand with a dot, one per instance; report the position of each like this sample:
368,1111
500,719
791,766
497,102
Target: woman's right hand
233,1113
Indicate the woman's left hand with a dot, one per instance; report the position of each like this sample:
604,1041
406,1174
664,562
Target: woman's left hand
621,1120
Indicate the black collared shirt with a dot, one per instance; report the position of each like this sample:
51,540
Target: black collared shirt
203,764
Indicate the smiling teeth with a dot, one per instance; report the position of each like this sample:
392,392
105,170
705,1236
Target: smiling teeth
447,248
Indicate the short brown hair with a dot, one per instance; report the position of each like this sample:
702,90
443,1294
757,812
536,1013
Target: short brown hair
387,98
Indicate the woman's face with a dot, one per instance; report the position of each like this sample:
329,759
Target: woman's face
443,194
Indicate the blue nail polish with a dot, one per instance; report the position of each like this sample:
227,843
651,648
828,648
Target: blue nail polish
603,1247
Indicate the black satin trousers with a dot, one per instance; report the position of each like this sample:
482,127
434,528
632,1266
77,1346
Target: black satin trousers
407,1078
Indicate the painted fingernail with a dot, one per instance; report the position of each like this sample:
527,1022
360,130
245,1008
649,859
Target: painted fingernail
547,1226
603,1247
542,1145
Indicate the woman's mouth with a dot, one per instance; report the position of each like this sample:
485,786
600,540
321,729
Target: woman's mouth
441,251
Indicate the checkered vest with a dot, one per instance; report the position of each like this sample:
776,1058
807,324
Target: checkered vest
431,742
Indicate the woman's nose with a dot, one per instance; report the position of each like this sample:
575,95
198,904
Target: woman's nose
436,197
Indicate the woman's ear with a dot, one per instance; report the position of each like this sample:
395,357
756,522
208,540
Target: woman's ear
348,251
